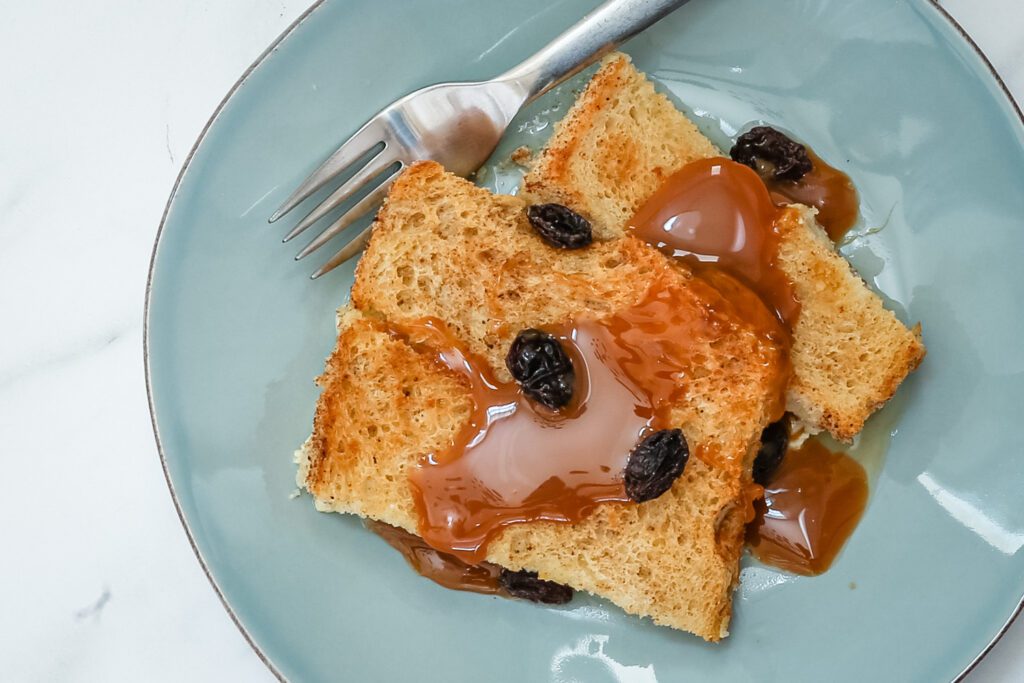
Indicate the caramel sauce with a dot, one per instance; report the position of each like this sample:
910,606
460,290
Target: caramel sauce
828,189
515,461
809,510
441,568
717,215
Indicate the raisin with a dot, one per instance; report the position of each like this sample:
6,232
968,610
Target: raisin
538,362
774,442
780,157
655,463
528,586
560,226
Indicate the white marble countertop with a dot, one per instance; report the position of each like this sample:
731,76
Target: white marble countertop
102,101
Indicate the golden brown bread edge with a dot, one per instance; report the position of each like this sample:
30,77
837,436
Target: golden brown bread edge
446,248
615,147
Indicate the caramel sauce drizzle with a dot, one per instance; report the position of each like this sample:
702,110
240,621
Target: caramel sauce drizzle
440,567
826,188
809,510
514,461
716,214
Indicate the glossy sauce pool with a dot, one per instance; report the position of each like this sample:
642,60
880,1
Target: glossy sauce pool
811,506
717,216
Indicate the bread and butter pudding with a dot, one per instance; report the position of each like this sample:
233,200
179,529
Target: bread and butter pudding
591,385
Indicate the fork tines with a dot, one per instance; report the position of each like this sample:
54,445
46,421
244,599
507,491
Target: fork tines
382,162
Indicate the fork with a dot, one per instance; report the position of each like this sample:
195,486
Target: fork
455,124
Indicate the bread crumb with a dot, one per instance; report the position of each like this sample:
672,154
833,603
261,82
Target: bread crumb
522,156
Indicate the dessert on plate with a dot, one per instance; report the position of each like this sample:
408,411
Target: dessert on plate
592,385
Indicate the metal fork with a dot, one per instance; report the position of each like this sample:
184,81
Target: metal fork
456,124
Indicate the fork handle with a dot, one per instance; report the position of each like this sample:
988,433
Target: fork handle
592,37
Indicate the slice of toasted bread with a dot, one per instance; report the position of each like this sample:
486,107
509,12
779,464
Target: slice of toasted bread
614,148
849,352
445,248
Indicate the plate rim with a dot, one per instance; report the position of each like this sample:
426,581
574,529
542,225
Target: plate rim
147,311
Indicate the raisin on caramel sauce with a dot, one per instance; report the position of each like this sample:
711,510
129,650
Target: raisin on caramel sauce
795,174
826,188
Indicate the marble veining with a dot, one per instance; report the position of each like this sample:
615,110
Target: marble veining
102,103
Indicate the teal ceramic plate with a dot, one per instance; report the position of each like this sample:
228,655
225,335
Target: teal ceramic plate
891,92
